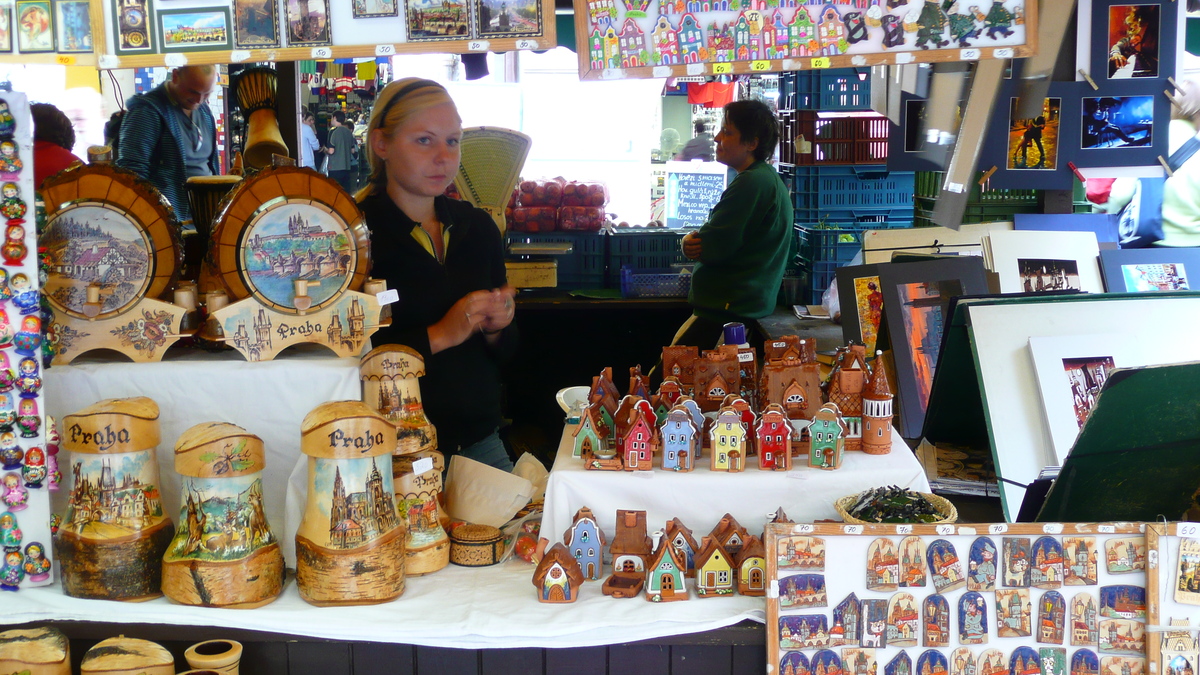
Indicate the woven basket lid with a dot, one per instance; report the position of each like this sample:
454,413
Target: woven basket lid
472,533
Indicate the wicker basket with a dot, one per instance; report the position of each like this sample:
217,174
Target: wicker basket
943,505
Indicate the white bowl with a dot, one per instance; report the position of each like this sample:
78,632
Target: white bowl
573,400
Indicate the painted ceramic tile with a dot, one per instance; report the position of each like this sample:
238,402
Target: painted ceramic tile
1085,662
944,565
903,621
801,553
858,661
826,661
1054,660
1187,582
1079,561
883,566
972,619
981,565
1178,665
794,663
935,631
105,229
1024,661
932,662
1047,569
874,618
1052,617
1016,562
992,662
806,631
1117,665
901,664
801,591
912,562
1122,636
114,496
289,241
1125,554
1085,631
1013,613
962,662
847,626
1123,602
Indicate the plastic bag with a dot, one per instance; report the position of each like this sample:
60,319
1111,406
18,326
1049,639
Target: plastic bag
581,218
584,194
533,219
541,192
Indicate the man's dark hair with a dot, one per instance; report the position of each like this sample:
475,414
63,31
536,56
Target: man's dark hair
51,124
339,116
699,128
754,121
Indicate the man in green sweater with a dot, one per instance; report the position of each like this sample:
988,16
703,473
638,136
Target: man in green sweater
743,249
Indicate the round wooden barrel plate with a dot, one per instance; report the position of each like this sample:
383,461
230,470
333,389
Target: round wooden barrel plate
289,223
105,225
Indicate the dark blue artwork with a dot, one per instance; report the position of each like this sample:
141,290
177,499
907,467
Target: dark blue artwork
972,619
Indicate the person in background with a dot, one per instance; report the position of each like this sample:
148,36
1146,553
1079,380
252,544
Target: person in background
341,151
700,147
446,260
1181,191
168,135
309,145
53,138
742,250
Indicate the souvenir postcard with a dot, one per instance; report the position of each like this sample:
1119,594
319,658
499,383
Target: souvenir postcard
1052,617
437,20
134,26
945,567
1125,554
1047,569
904,620
1114,122
1085,662
1080,560
6,30
367,9
1085,627
1149,270
507,18
1123,602
194,29
874,618
1133,41
883,566
847,624
256,24
981,565
1122,636
972,619
1045,262
1013,615
935,623
1187,580
1016,562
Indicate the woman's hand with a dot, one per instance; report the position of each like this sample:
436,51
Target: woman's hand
691,246
463,319
499,311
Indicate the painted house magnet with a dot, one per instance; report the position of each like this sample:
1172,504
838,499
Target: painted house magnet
389,376
112,539
223,553
350,544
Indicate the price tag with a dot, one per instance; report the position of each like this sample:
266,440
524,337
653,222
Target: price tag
612,74
272,55
1107,529
945,529
773,589
661,71
648,475
1152,560
175,60
1187,529
803,528
1052,528
422,465
998,528
969,54
904,57
322,53
387,297
527,44
745,357
722,68
1003,53
821,62
955,187
779,344
966,532
695,69
852,529
65,60
239,55
760,66
858,60
108,61
904,529
478,45
385,50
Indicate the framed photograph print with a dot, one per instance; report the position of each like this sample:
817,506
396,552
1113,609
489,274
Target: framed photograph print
308,23
35,26
507,18
1151,270
369,9
134,27
1127,39
862,302
436,20
1133,41
74,26
6,36
255,24
1033,143
1045,262
1117,122
193,30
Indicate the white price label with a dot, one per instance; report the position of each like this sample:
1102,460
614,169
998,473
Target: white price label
387,297
998,528
385,50
612,74
527,44
1187,529
858,60
1052,528
793,64
107,61
175,60
272,55
661,71
1003,53
644,474
955,187
773,589
852,529
478,45
745,357
904,529
904,57
1107,529
969,54
1152,560
966,532
695,69
803,528
945,529
778,344
422,465
322,53
239,55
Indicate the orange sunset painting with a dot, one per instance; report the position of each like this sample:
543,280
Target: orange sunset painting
923,307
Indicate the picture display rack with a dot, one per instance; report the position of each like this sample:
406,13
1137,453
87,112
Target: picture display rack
1171,625
847,551
61,54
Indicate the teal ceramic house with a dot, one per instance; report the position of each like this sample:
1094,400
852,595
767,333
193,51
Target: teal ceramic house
665,574
827,438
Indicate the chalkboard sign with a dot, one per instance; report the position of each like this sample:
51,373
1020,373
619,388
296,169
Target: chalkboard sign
693,188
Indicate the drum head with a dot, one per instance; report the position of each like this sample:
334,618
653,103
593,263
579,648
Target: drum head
105,225
285,224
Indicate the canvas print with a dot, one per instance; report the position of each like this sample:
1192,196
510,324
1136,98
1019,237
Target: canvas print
6,40
367,9
1085,662
256,24
1054,660
1085,627
935,631
992,662
1033,143
1052,619
883,566
221,519
981,565
903,621
344,487
1123,602
1133,41
1086,376
805,631
1024,661
507,18
945,567
912,562
932,662
801,553
827,661
194,29
857,660
801,591
35,27
1081,560
922,308
1117,122
874,618
972,619
308,23
962,662
133,26
1013,613
74,26
1122,636
1016,562
868,300
847,624
1040,275
88,243
292,241
901,664
433,20
1187,580
1146,278
794,663
1047,570
1125,554
114,496
1119,665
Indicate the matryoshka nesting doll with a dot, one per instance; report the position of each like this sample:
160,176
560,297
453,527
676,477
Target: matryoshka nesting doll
52,470
8,123
24,297
5,292
10,453
10,160
10,532
34,469
6,331
29,422
14,496
37,566
12,206
29,380
8,412
29,338
13,571
8,376
14,249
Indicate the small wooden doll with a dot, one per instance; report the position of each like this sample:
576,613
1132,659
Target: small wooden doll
29,422
8,376
34,469
14,250
24,297
7,331
12,572
10,451
29,339
37,651
827,438
29,381
557,576
14,495
127,656
37,566
12,207
10,532
52,470
8,412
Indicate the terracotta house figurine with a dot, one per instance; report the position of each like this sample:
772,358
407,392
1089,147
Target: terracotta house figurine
223,553
680,440
585,542
605,394
877,411
679,363
621,421
728,441
827,438
389,377
37,651
791,377
111,542
715,571
640,442
670,390
730,535
639,384
773,434
847,382
749,419
630,550
665,581
787,346
752,568
557,576
685,545
591,434
716,374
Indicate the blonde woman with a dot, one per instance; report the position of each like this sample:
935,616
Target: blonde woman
445,259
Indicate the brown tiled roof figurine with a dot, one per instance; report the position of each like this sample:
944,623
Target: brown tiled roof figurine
557,576
877,411
793,380
681,538
665,580
846,385
716,572
752,568
716,374
730,534
639,384
679,362
631,548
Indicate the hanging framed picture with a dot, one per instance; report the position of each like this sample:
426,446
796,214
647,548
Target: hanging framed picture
134,28
1150,270
35,26
437,20
507,18
6,41
1127,40
74,25
194,30
308,23
255,24
369,9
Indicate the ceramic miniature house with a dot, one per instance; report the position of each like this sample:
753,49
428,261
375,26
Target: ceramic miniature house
728,441
680,440
847,383
715,573
827,438
640,442
730,535
773,436
630,550
685,544
604,394
591,436
557,576
716,375
791,377
639,384
877,412
665,575
679,363
585,542
752,568
669,391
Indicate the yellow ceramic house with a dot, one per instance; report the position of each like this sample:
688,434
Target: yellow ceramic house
728,441
714,570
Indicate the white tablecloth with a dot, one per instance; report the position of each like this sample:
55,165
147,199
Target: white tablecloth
699,498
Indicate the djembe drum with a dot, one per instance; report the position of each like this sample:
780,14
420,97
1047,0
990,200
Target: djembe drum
204,195
255,93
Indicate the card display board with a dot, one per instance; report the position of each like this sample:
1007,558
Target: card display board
956,600
641,38
1171,644
693,189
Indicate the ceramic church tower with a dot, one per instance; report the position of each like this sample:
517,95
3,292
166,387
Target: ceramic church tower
877,411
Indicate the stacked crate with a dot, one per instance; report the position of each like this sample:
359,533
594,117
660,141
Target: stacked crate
985,204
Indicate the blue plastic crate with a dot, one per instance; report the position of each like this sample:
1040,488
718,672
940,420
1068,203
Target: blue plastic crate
643,250
583,267
659,283
822,276
852,193
826,89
